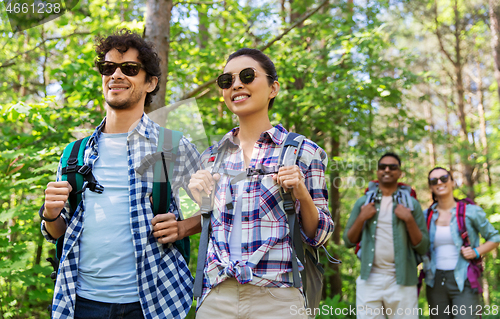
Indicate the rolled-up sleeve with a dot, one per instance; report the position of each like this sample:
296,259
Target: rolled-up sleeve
352,218
314,179
187,163
486,229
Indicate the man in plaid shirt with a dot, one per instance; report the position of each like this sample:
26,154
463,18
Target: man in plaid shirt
248,267
114,262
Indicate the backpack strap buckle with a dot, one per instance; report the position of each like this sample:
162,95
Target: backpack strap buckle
72,166
254,171
270,169
84,170
206,206
288,203
168,155
464,235
95,187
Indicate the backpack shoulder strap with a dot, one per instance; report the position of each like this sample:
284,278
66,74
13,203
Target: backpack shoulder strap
404,195
160,176
290,149
214,161
73,171
430,212
371,192
72,162
288,156
462,228
168,146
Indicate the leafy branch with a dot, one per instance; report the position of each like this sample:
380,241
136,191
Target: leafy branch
12,61
264,47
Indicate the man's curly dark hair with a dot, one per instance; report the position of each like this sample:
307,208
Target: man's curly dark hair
124,39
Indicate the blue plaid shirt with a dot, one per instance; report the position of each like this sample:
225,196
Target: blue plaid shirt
163,278
266,245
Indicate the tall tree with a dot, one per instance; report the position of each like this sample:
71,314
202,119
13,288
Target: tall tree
158,15
494,12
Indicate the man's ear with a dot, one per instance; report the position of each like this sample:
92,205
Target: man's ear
152,84
275,89
402,174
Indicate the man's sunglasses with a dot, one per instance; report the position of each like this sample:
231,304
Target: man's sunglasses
128,68
392,167
246,76
433,181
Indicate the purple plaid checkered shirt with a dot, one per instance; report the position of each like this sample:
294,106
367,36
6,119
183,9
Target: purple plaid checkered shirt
266,246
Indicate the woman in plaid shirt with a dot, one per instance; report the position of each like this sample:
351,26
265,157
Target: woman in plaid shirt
248,268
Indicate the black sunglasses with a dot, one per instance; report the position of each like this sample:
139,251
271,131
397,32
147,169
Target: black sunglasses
433,181
128,68
392,167
246,76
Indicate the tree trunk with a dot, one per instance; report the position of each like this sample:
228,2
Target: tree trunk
202,28
486,285
335,280
456,61
432,145
449,149
468,168
283,11
158,14
495,38
482,125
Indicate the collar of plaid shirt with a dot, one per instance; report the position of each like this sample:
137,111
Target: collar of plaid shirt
276,134
164,280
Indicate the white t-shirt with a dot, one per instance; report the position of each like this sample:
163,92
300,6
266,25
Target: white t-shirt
235,234
107,265
446,252
383,262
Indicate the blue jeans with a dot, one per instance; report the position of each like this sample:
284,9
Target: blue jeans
89,309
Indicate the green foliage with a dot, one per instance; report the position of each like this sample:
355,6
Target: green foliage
34,134
352,80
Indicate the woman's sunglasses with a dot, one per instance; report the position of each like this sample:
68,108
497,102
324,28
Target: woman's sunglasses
433,181
246,76
128,68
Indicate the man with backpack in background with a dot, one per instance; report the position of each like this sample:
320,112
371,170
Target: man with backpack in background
116,260
389,227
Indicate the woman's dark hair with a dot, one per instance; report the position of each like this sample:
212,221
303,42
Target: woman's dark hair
434,199
263,60
124,39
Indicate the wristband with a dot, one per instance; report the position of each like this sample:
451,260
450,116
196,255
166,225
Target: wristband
477,253
40,212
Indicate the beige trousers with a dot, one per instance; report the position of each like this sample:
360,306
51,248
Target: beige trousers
381,296
232,300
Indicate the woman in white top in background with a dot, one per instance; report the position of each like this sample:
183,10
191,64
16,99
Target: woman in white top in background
449,290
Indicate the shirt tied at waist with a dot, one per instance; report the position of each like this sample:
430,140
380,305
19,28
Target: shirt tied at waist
239,270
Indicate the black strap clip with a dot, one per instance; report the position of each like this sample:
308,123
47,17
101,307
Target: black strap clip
254,171
84,170
288,203
72,165
167,155
95,187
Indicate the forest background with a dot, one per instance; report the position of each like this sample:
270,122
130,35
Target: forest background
359,77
